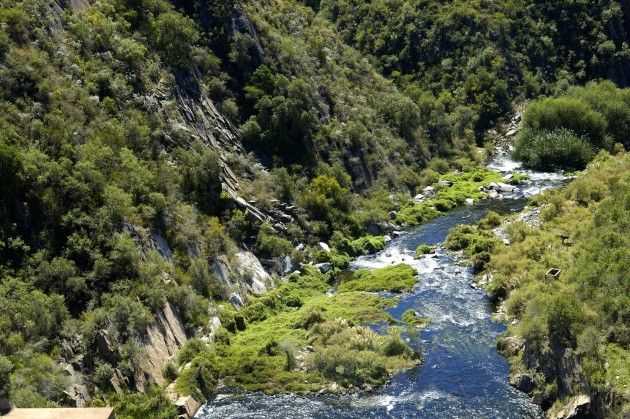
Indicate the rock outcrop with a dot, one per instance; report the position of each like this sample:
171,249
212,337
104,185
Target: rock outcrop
165,336
244,273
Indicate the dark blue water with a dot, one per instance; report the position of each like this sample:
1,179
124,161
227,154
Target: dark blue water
462,376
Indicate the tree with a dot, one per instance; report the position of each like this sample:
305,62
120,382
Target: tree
175,35
10,166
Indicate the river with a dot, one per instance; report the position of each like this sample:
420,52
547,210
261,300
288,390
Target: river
462,376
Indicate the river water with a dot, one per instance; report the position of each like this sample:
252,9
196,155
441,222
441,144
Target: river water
462,375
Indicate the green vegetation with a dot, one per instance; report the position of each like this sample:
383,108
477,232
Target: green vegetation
424,249
465,185
566,131
296,339
135,137
397,278
412,318
581,312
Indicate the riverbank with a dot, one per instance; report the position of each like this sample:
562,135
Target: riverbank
560,270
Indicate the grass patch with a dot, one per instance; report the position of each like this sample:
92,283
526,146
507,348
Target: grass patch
397,278
303,348
424,249
411,317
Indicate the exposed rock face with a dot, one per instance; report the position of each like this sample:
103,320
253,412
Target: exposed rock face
245,273
165,336
187,406
251,270
578,408
510,345
160,244
78,391
523,382
286,265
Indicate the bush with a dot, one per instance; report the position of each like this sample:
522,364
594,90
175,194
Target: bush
559,149
424,249
397,278
566,113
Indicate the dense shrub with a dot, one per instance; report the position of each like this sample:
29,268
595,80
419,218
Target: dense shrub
553,150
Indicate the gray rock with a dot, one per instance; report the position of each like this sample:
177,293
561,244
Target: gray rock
374,230
493,194
578,408
187,406
510,345
104,343
285,265
222,270
417,199
324,267
251,270
300,247
493,186
165,337
161,245
504,187
324,247
523,382
236,300
445,182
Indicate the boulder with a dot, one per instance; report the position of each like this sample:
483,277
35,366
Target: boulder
324,267
417,199
523,382
504,187
429,191
446,183
374,230
285,265
492,194
578,408
323,246
187,406
236,300
510,345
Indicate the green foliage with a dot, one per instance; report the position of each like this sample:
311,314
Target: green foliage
153,403
424,249
397,278
367,245
564,132
572,114
175,35
584,234
411,317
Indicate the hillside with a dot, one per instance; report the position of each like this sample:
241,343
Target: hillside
163,163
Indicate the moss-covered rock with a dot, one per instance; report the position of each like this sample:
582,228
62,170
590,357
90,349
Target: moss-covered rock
424,249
